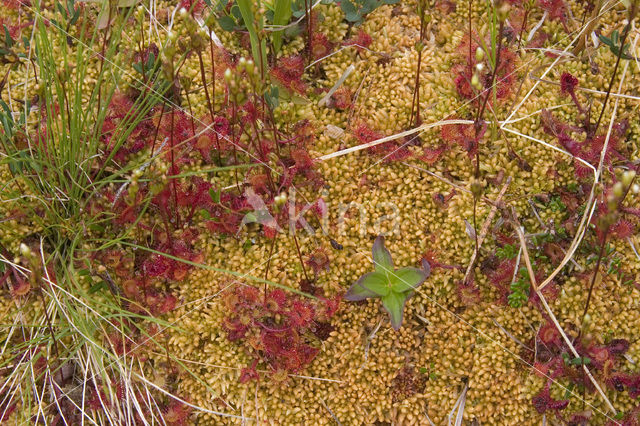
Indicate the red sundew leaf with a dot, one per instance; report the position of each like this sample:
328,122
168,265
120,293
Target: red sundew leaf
197,5
618,346
176,413
446,7
318,260
463,82
503,273
169,304
362,40
301,314
276,301
432,155
397,152
364,133
466,52
302,159
288,71
320,208
557,9
543,402
469,293
156,265
131,288
21,287
568,83
549,335
320,46
341,99
248,374
581,170
623,229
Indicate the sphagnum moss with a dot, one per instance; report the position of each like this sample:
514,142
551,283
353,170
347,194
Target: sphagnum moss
454,346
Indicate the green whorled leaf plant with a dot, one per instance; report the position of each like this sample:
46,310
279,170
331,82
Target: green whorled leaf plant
392,286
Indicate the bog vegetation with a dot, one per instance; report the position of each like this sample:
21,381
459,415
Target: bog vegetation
319,212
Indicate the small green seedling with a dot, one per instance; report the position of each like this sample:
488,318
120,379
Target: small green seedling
613,41
393,286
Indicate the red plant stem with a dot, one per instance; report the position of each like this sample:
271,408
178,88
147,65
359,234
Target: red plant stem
49,326
478,126
259,137
493,78
173,170
102,53
470,54
233,142
204,83
155,134
307,6
144,74
295,239
601,253
275,130
524,28
266,271
627,28
273,330
595,272
206,93
165,221
575,100
4,277
415,103
193,126
213,74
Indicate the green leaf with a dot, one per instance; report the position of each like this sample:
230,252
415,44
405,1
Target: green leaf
359,292
350,11
281,16
250,218
258,47
407,279
7,37
61,9
580,361
567,393
272,97
151,61
235,12
215,195
394,304
127,3
227,23
76,16
353,17
381,256
97,287
376,282
96,228
368,6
